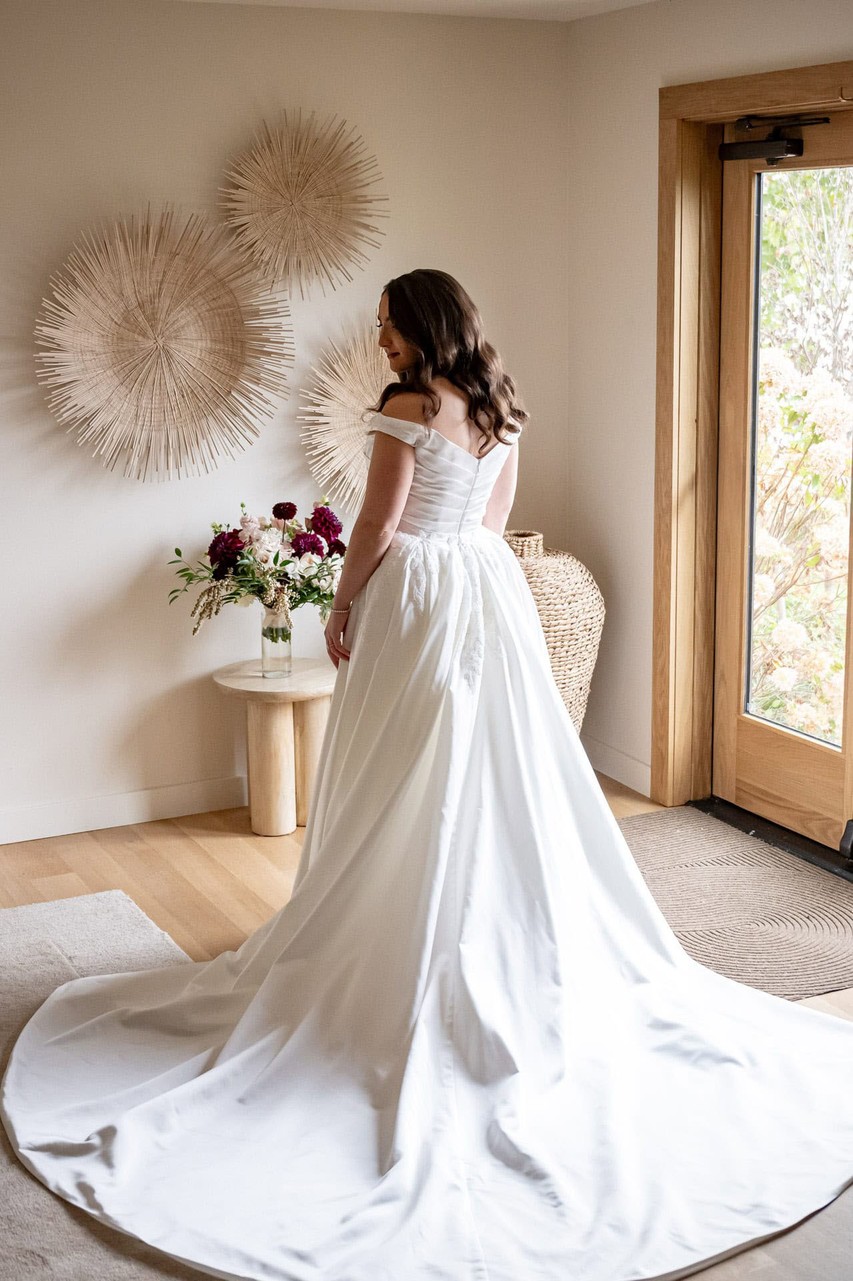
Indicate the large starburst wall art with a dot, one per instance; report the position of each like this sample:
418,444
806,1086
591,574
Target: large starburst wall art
349,380
162,346
298,201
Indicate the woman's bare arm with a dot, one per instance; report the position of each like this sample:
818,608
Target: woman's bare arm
389,478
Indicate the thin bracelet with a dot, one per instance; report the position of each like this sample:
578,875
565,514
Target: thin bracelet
340,611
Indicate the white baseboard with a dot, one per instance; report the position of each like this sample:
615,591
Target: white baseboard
618,765
90,813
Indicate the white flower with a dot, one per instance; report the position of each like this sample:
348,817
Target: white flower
266,543
785,678
764,543
764,586
309,558
789,635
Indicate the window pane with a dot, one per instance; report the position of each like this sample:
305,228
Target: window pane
801,432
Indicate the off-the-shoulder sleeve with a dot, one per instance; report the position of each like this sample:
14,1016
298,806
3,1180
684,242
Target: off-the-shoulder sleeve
412,433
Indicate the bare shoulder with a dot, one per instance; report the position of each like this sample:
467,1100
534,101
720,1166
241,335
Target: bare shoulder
408,405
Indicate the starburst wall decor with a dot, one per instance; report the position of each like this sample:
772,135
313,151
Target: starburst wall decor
162,345
298,201
350,379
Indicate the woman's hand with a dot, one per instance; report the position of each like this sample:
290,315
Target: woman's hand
334,631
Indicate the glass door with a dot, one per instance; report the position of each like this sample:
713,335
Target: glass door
782,710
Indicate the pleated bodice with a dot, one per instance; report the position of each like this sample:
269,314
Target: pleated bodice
450,487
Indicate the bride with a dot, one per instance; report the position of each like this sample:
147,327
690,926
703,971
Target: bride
469,1048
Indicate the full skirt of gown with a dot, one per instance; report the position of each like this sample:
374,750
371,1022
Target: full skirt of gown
470,1047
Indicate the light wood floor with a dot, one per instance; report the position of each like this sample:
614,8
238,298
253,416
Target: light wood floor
206,879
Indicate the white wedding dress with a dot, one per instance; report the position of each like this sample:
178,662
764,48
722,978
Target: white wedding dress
469,1048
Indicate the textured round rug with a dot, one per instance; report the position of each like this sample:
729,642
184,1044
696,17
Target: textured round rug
744,908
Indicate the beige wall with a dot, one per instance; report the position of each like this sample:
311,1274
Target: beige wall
109,715
616,64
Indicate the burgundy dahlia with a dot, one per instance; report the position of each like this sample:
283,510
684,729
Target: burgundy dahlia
307,542
224,551
325,523
337,546
284,511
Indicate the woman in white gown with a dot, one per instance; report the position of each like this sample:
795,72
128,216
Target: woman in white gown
469,1048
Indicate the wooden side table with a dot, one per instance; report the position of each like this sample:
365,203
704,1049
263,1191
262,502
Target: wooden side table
285,722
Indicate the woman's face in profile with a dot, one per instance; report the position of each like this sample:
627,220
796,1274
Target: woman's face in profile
399,354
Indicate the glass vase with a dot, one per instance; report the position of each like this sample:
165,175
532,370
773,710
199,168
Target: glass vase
276,657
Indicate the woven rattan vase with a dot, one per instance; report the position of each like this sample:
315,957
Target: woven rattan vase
571,609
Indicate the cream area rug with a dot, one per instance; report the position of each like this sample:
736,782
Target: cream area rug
42,946
744,908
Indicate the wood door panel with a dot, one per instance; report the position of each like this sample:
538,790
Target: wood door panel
800,785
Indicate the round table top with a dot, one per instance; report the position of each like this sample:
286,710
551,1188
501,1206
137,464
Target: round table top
310,678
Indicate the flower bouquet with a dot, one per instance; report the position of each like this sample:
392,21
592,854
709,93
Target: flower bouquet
277,560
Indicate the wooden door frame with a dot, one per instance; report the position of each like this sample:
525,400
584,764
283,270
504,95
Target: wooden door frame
691,120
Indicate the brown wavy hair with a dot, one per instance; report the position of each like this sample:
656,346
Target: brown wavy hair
438,318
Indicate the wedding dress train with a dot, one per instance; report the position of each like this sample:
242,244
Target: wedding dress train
469,1048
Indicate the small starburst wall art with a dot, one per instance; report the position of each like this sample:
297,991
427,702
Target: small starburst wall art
348,381
299,201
